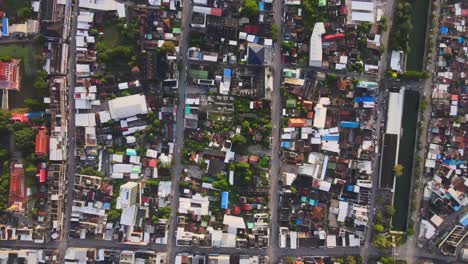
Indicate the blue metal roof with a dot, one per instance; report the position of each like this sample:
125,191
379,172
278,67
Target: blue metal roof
347,124
224,200
130,152
464,220
444,30
331,137
261,6
227,72
5,26
364,99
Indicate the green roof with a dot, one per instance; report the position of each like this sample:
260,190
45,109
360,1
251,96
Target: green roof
197,74
289,74
331,165
136,169
176,30
291,103
322,2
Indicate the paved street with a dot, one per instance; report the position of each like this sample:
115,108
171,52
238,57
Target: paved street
338,251
272,251
70,171
177,167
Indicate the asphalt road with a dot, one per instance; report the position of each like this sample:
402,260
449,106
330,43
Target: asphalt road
273,246
70,171
300,252
177,167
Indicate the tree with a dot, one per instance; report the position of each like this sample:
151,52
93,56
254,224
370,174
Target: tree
221,184
94,32
164,212
378,228
41,80
398,170
250,9
274,32
185,184
313,13
339,260
91,172
30,170
350,260
245,125
152,183
293,190
3,154
386,260
242,169
114,215
381,242
287,46
5,58
238,139
24,13
264,162
33,104
389,210
24,139
383,24
289,260
167,47
331,80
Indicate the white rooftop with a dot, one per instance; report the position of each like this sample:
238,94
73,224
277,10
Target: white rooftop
128,106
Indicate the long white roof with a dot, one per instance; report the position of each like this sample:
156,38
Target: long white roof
360,5
315,51
104,5
128,106
362,16
395,112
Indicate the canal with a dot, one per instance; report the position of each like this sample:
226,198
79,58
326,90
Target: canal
405,157
417,38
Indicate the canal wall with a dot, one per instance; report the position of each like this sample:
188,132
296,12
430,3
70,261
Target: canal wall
406,158
417,39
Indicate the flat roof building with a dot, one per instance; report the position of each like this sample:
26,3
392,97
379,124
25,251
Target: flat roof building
315,51
128,106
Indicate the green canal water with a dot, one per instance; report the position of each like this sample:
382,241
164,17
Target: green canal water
417,38
405,158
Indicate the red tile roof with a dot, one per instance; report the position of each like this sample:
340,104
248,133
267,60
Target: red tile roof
41,142
216,12
10,75
41,175
17,184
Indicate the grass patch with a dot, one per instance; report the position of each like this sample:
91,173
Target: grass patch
111,37
27,52
31,58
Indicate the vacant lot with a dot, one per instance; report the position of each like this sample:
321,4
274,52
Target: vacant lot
111,37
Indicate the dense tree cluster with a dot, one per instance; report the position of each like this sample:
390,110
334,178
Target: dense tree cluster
250,9
313,13
402,26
